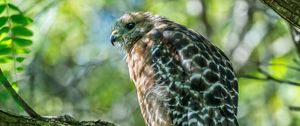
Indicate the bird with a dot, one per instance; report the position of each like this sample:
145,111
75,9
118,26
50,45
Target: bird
181,78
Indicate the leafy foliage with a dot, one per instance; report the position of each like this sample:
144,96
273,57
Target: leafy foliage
14,34
14,39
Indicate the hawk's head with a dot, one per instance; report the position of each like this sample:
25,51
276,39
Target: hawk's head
130,28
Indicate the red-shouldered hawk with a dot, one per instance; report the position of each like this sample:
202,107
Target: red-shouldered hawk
181,78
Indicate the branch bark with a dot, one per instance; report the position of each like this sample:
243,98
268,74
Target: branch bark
287,9
10,119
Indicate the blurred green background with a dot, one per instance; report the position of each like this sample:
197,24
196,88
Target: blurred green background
73,69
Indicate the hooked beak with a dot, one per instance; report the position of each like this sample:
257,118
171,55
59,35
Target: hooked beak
113,37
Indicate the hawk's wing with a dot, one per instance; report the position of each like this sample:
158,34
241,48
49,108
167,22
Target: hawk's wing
209,89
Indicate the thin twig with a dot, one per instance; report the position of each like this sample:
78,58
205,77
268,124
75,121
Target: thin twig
269,77
294,108
283,65
204,18
17,97
296,37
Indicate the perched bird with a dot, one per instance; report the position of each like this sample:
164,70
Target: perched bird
181,78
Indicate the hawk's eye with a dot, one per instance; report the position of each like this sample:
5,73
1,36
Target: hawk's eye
130,26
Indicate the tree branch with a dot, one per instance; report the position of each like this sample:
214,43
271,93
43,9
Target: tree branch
269,77
17,97
9,119
294,108
287,9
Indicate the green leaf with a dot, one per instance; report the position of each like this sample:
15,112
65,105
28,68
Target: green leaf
20,68
21,31
15,86
3,20
20,59
2,8
11,6
20,19
4,30
22,51
2,46
5,59
6,38
22,42
5,51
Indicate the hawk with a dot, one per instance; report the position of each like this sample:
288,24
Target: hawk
181,78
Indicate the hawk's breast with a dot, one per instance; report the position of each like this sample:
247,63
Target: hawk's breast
150,96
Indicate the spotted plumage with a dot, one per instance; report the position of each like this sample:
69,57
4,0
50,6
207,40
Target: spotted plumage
181,78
